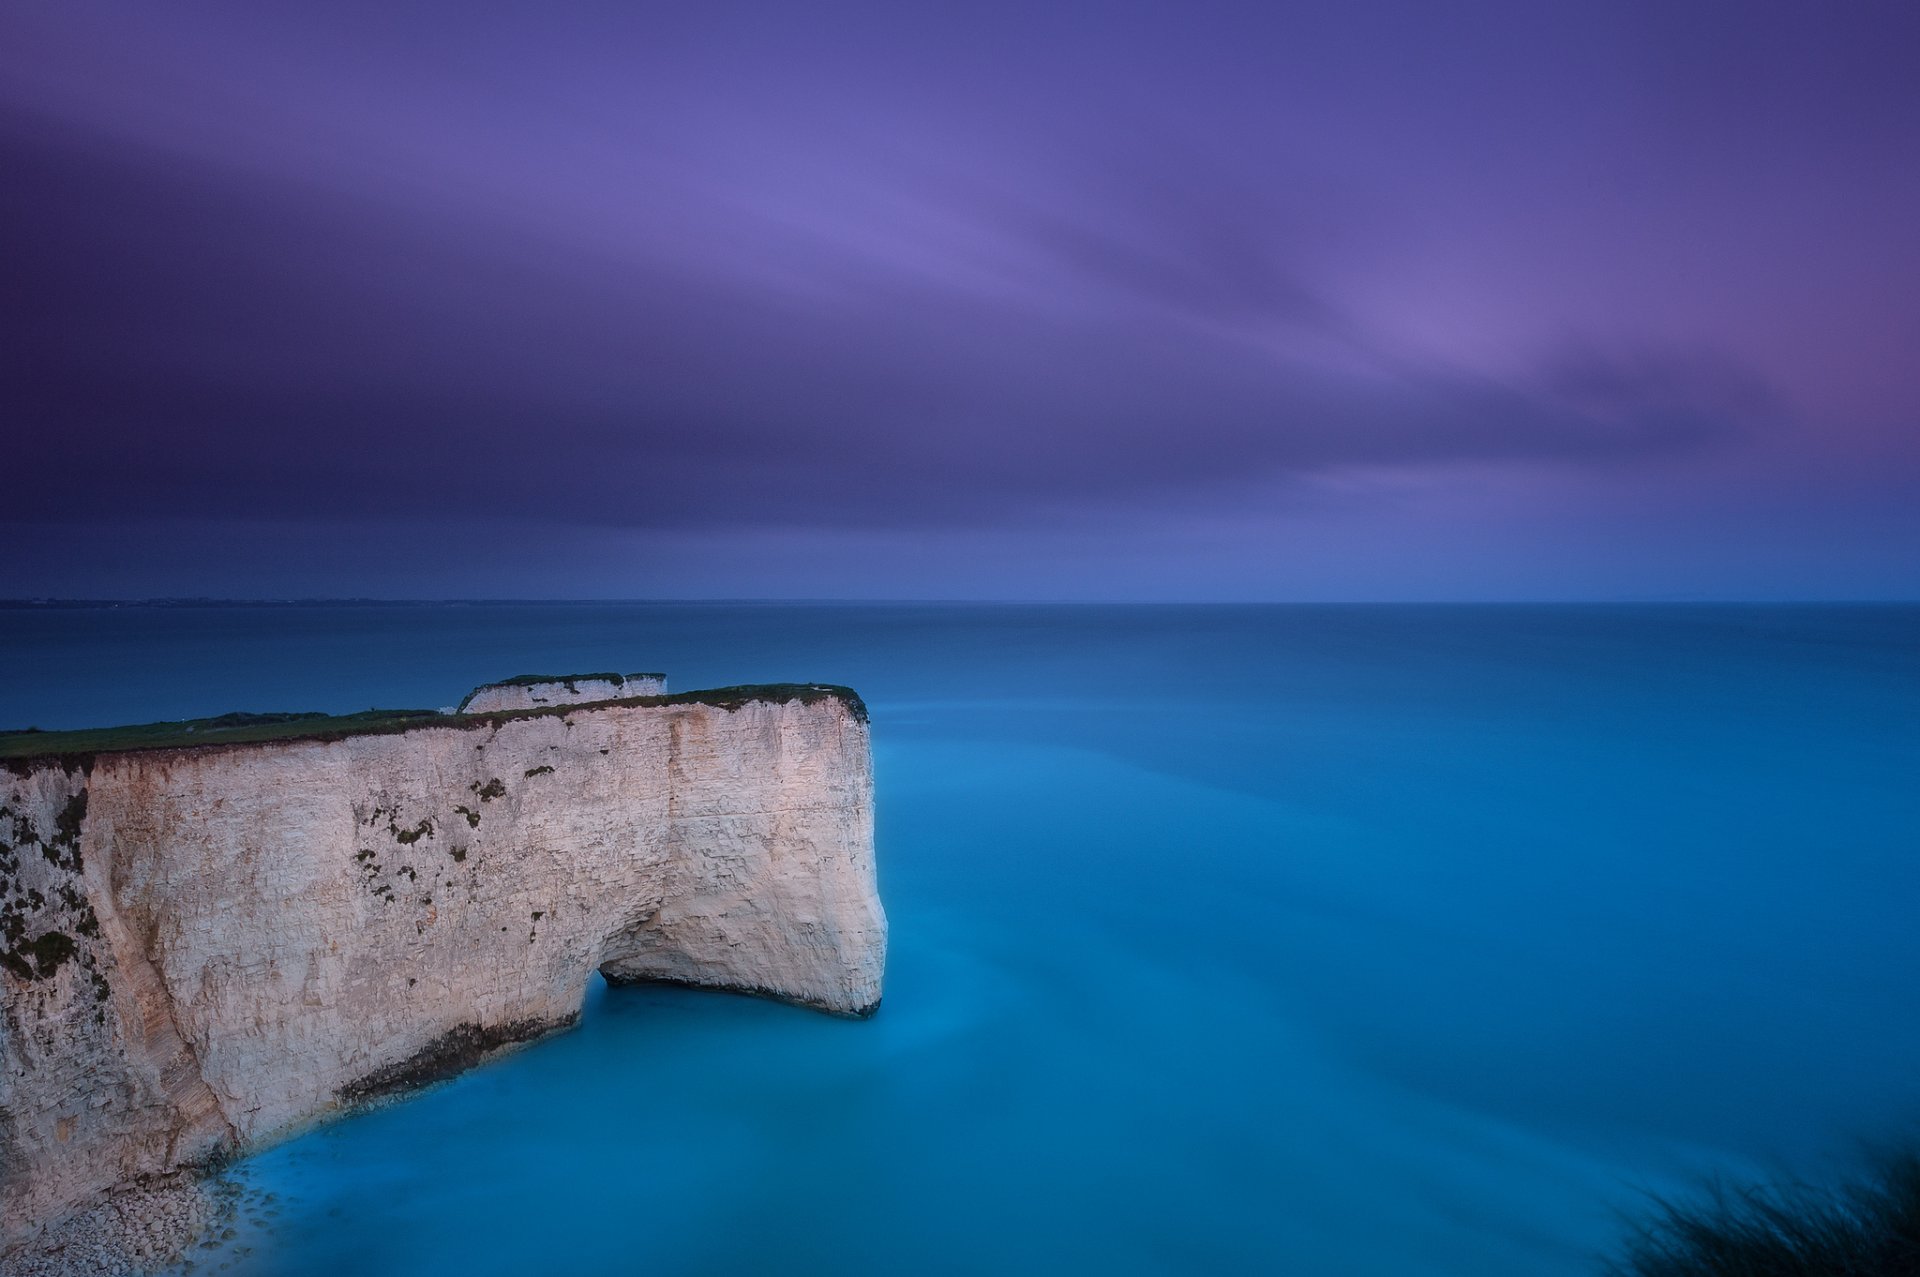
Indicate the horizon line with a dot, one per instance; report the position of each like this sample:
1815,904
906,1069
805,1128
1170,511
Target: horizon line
26,602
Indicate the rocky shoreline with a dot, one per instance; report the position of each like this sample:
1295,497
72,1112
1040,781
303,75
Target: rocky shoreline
150,1226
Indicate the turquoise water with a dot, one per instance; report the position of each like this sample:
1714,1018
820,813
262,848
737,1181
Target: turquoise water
1318,940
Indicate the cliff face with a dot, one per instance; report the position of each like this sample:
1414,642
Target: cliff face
205,947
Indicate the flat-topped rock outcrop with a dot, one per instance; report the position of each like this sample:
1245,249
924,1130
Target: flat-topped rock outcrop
531,691
214,933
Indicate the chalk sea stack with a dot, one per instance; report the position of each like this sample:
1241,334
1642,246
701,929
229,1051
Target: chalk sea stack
214,933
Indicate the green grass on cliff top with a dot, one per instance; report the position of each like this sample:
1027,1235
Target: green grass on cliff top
242,729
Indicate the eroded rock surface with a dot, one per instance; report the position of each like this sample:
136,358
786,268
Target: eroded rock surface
204,948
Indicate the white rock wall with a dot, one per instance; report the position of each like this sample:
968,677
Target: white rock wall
264,932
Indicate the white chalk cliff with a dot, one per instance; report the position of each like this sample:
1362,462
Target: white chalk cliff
204,947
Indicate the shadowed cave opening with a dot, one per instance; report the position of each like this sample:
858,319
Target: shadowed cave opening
471,1045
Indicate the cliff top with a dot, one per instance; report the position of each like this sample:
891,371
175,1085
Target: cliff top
82,744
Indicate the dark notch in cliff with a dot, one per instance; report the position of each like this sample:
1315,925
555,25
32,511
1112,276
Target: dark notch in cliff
757,991
449,1054
21,751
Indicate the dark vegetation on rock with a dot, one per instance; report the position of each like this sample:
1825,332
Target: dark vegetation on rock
1866,1227
34,939
22,750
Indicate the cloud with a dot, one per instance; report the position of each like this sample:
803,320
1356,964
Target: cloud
191,337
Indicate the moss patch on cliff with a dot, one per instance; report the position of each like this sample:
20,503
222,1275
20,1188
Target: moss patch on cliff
34,939
41,956
22,750
67,831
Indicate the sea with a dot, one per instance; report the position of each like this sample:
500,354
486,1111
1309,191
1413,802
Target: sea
1356,941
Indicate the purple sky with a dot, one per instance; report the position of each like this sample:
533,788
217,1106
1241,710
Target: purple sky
1105,300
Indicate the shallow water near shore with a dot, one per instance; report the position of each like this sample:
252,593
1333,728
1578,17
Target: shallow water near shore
1327,940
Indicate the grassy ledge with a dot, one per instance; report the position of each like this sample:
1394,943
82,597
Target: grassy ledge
21,748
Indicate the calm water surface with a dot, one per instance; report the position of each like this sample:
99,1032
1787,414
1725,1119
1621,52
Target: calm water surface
1314,940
